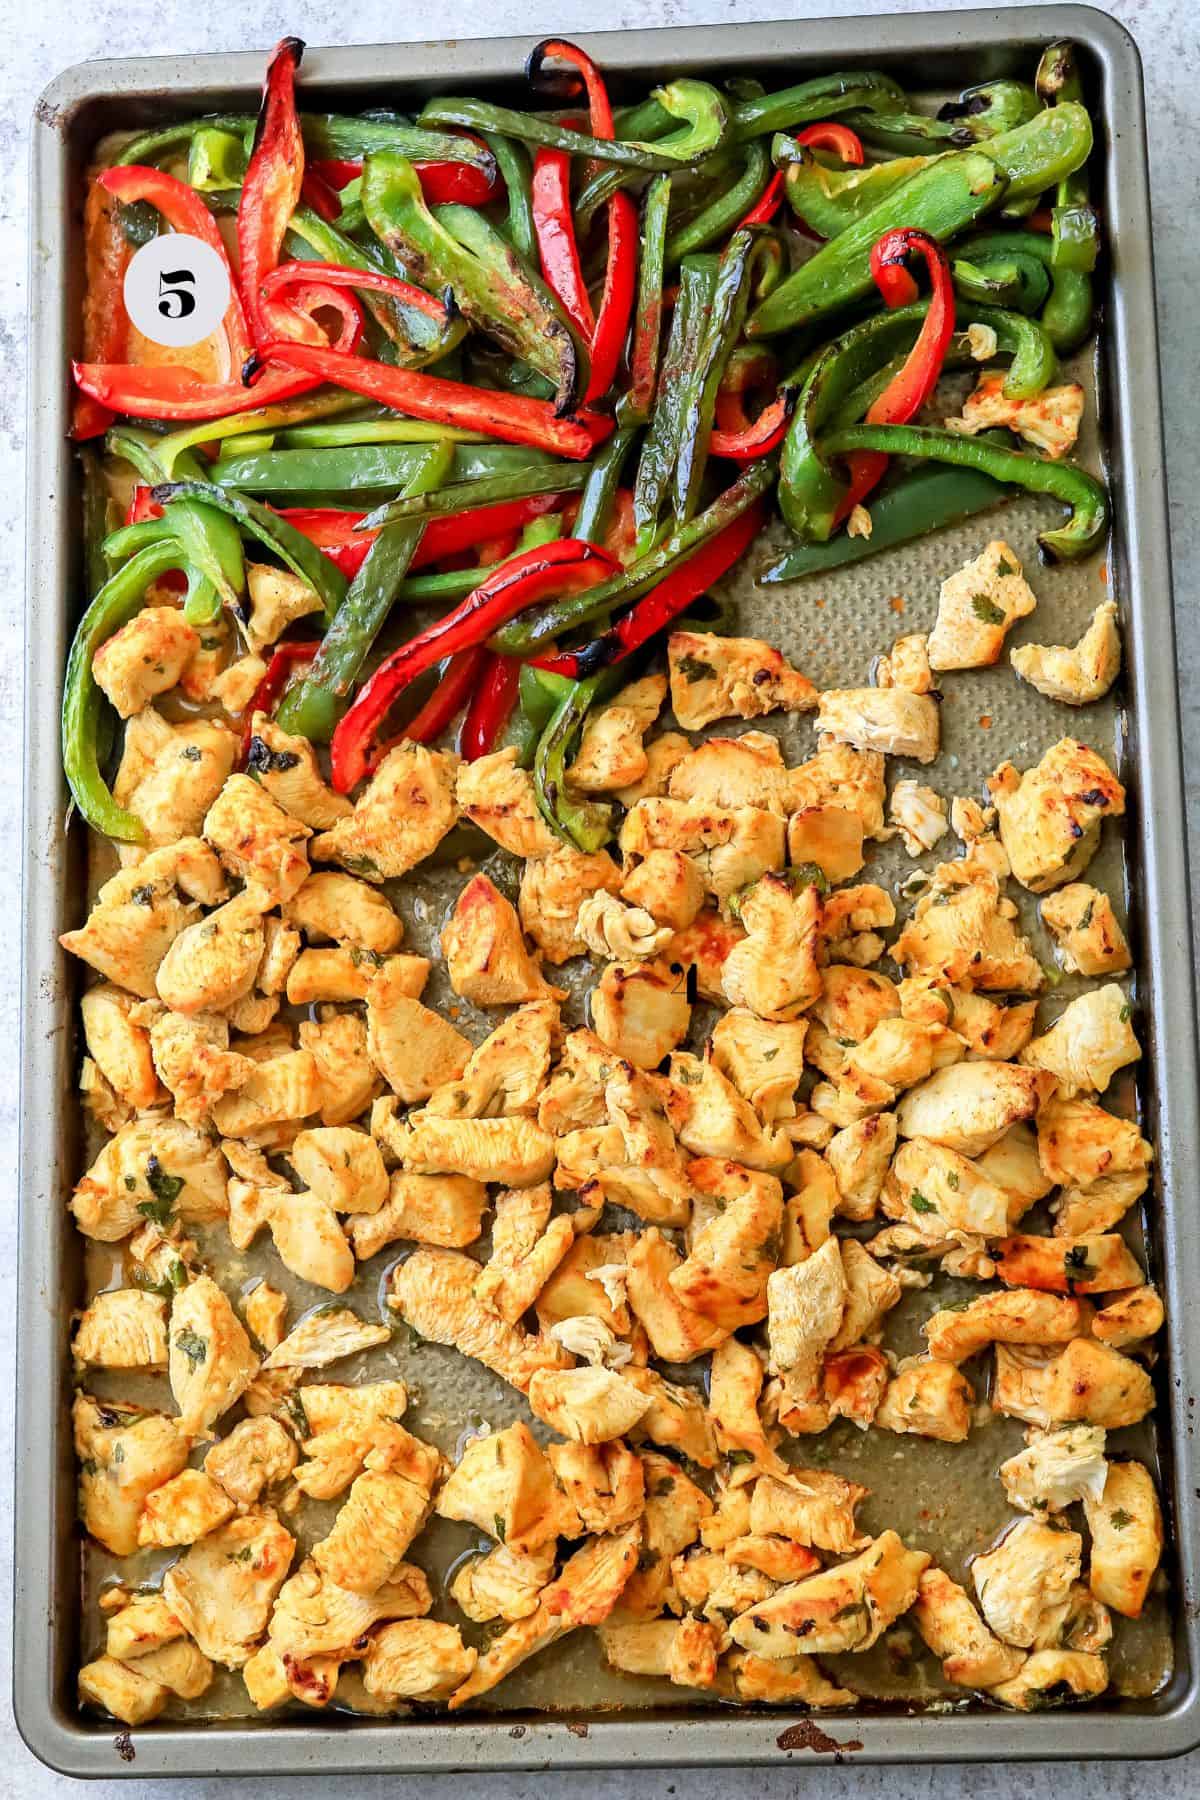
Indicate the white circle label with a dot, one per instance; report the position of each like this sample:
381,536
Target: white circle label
176,290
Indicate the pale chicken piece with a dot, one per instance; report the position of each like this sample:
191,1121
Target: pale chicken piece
527,1247
341,1427
609,928
430,1209
325,1336
120,1045
736,1380
1050,816
813,1507
234,688
805,1303
1086,1382
969,1106
183,1510
171,774
859,1156
703,949
871,1293
906,665
140,1626
348,1079
1022,1316
266,1679
505,1074
725,1274
1024,1585
928,1398
399,819
339,908
211,1359
213,963
417,1659
1049,420
504,1584
1057,1468
1079,673
970,1654
586,1405
604,1484
610,754
730,846
977,607
280,952
224,1587
487,958
677,1333
345,972
286,766
675,1511
935,1189
1085,929
313,1618
704,1583
343,1167
828,838
124,1454
180,1666
257,1453
1126,1524
1049,1673
140,912
841,776
415,1049
553,889
993,1030
892,720
499,797
845,1608
385,1509
730,1521
144,658
308,1238
734,771
512,1152
1131,1319
1079,1144
156,1168
266,1310
504,1485
574,1097
663,753
677,1419
257,840
764,1060
589,1283
782,1681
1088,1043
122,1690
964,931
712,1119
123,1328
103,1105
277,599
279,1090
584,1593
773,970
1098,1264
640,1010
666,1648
919,815
722,677
434,1292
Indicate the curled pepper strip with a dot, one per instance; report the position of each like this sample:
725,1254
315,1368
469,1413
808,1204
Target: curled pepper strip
340,275
566,565
587,76
270,195
286,662
169,391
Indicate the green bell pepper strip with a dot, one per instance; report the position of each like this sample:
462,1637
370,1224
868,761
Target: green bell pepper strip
96,509
117,602
364,468
723,213
585,824
1034,364
941,199
389,430
1043,151
535,628
216,159
152,146
660,448
493,289
600,489
324,404
607,180
980,113
289,545
313,706
992,107
929,499
1075,487
127,540
826,97
418,339
909,133
212,546
633,407
1074,227
337,136
1019,282
722,328
464,496
512,160
699,108
1067,314
828,200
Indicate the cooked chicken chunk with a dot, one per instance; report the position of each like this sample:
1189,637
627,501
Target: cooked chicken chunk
1057,1468
1079,1144
934,1188
124,1328
338,908
675,1511
976,608
417,1659
432,1209
414,1048
1087,1381
213,963
211,1358
663,753
609,928
677,1333
434,1292
1020,1317
400,817
734,771
730,846
828,838
326,1336
183,1510
781,1681
513,1152
256,839
343,1167
281,1090
120,1045
813,1507
498,797
386,1507
965,931
773,971
610,754
487,958
684,1651
845,1608
255,1455
1085,928
763,1059
929,1399
1131,1319
859,1156
154,1168
920,816
287,768
348,1079
342,1426
640,1010
1078,674
713,1120
171,774
223,1588
719,677
586,1405
677,1419
1049,420
277,599
124,1453
1088,1042
504,1584
1047,1672
141,911
1024,1584
553,889
840,776
871,1292
729,1260
1098,1264
122,1690
1050,817
140,1626
945,1617
893,720
970,1105
804,1312
906,665
527,1247
1125,1521
144,658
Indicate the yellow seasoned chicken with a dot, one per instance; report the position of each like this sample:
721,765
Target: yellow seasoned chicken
1050,817
124,1453
434,1293
553,889
211,1360
1079,673
719,677
277,599
223,1588
287,768
773,971
398,820
610,754
971,1655
498,796
734,771
1024,1585
171,774
256,839
892,720
1049,420
487,958
1125,1521
977,607
1085,929
124,1328
845,1608
730,846
1088,1043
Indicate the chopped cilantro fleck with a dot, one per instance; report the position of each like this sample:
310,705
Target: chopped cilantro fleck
987,610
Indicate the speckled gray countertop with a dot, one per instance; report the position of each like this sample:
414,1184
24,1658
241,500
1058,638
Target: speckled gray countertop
44,38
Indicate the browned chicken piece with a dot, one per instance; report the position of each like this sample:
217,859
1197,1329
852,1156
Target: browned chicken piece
1079,673
306,1231
677,1333
919,815
871,1292
1087,1381
553,888
640,1010
928,1398
1024,1584
574,1095
779,1558
122,1690
400,817
773,972
859,1156
1056,1469
713,1120
349,1082
1020,1317
140,1626
431,1209
814,1507
704,1583
853,1383
841,776
434,1292
854,1001
342,1166
155,1167
288,770
1088,1043
808,1213
1101,1264
257,1453
725,1275
120,1045
140,911
1048,1672
417,1659
224,1587
1127,1538
506,1072
124,1453
977,607
280,1090
584,1593
827,838
504,1584
992,1030
846,1608
604,1484
123,1328
213,963
782,1681
513,1152
183,1510
316,1625
527,1247
341,1426
969,1106
677,1419
971,1655
1132,1319
610,928
703,949
277,599
734,771
719,678
1050,420
906,665
338,908
344,972
1079,1143
498,797
486,956
663,753
257,840
586,1405
892,720
610,754
1050,817
804,1312
965,932
675,1511
764,1060
683,1651
171,774
211,1359
589,1282
387,1506
1085,929
414,1048
730,846
851,921
234,687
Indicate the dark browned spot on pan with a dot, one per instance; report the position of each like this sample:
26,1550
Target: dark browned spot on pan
806,1735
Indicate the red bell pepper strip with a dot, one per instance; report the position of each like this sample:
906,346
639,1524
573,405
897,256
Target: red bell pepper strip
307,298
766,433
270,195
340,275
767,204
554,229
442,183
105,324
673,595
490,707
317,193
826,135
560,567
336,532
336,172
169,391
514,418
459,680
141,507
184,210
287,660
616,302
589,78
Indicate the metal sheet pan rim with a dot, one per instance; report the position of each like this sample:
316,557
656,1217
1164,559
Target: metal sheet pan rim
51,1730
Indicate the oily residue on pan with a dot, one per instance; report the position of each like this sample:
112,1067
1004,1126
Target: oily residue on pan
806,1734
